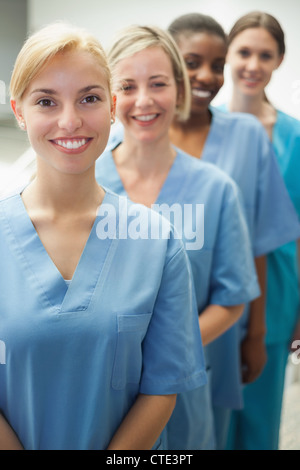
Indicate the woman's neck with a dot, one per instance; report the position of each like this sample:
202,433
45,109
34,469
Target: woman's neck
143,167
191,135
61,194
256,105
196,122
147,158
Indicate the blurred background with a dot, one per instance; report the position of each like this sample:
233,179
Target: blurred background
104,18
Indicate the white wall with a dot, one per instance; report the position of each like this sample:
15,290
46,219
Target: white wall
13,27
104,17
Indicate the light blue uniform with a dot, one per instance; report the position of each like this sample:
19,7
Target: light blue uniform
257,425
238,144
74,358
283,302
219,250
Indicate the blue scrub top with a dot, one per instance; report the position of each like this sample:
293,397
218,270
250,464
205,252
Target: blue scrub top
223,267
283,302
238,144
74,358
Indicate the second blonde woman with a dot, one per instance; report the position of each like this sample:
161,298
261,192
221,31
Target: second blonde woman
152,87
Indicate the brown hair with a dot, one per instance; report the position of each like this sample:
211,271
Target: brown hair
259,19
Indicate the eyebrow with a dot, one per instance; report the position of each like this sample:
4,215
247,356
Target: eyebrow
160,75
50,91
249,48
150,78
194,54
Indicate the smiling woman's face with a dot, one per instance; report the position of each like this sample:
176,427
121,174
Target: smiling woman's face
204,55
253,56
147,94
67,110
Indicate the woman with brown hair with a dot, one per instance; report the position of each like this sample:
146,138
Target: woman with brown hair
256,50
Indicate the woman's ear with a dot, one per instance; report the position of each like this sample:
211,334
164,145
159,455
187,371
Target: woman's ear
17,110
180,94
280,59
113,108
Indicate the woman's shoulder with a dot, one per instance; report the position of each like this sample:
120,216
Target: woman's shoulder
201,172
245,122
288,122
123,210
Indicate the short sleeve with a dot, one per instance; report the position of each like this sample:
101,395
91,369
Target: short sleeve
172,349
292,172
276,221
233,278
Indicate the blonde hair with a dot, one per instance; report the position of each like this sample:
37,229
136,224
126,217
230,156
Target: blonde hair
42,46
136,38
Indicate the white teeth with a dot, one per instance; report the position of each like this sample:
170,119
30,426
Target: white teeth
147,117
201,93
251,79
71,144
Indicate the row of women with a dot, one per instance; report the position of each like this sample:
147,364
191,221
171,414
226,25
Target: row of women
149,292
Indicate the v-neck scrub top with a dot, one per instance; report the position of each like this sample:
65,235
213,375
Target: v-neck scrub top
76,357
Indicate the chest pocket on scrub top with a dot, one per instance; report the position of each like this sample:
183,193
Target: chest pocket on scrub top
128,361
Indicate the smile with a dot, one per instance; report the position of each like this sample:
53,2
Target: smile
145,117
251,80
71,144
201,93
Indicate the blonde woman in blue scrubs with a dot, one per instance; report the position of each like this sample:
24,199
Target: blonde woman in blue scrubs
256,50
238,144
98,327
140,162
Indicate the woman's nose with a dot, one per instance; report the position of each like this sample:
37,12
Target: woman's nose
69,119
143,98
252,62
204,74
